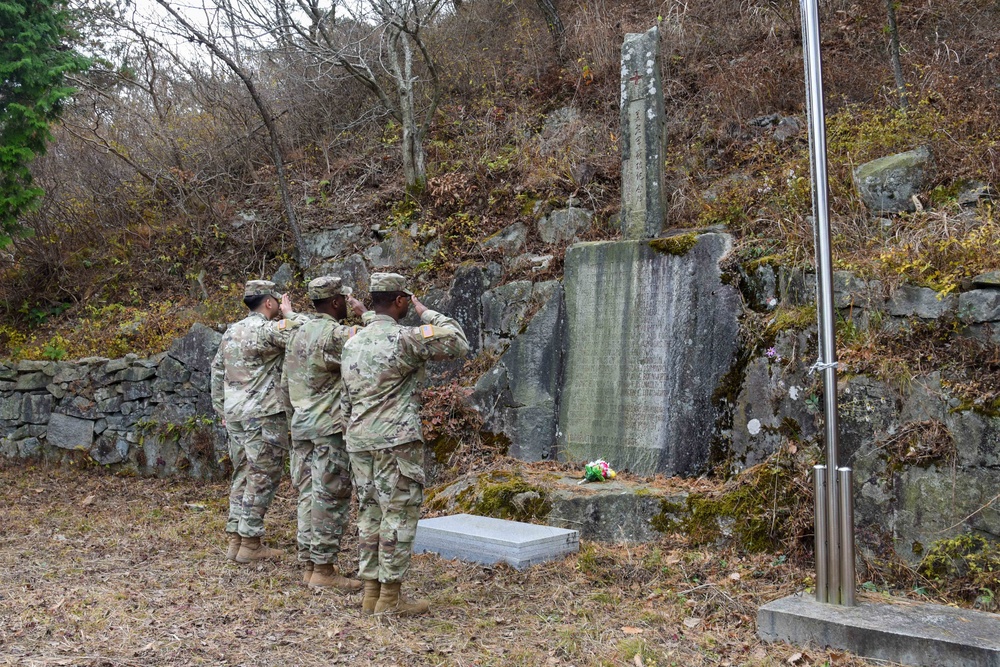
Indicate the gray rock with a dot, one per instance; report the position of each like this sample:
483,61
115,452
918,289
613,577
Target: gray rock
36,408
975,193
57,390
6,372
284,277
787,128
100,426
29,448
465,303
30,365
519,397
171,371
333,242
796,286
849,291
888,184
197,348
508,240
911,301
109,449
530,261
761,281
504,309
133,391
352,270
493,273
10,407
989,280
71,373
135,374
978,306
564,225
70,432
32,381
79,406
115,365
397,251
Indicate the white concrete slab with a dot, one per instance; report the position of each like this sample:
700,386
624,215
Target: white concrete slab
481,539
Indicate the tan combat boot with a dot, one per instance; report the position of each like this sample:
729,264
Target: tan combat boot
252,550
372,588
307,571
326,575
391,601
234,545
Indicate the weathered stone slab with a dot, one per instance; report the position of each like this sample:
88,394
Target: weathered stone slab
486,540
649,336
907,633
36,408
643,137
70,432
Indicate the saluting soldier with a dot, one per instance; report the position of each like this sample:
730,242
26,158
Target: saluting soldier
382,367
320,466
246,373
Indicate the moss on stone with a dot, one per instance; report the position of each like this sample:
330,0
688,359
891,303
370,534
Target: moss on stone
675,245
669,518
798,318
754,512
505,495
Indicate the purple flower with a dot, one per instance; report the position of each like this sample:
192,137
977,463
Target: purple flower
771,353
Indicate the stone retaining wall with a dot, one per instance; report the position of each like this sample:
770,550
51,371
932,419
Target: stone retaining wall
152,416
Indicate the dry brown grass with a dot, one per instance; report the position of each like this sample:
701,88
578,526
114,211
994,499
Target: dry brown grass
108,571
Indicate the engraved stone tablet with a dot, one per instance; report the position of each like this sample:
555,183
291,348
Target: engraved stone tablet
649,336
643,137
482,539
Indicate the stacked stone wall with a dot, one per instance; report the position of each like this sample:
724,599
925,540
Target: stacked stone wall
152,416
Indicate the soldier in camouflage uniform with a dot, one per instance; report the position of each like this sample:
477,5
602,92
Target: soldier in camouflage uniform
382,368
246,374
320,467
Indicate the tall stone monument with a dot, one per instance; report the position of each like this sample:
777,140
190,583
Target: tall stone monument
650,332
643,137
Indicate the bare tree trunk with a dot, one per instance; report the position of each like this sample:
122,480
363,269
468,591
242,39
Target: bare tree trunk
897,67
302,255
556,28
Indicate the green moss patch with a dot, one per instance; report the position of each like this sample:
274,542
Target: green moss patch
505,496
675,245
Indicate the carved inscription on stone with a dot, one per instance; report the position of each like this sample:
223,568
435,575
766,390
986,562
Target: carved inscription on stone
648,336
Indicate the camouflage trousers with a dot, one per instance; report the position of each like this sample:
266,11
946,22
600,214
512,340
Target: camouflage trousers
390,484
264,442
321,473
238,457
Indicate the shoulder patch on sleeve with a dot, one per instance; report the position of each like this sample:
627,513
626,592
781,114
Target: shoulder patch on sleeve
282,324
352,332
427,331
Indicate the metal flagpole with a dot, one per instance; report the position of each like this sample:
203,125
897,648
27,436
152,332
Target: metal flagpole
834,502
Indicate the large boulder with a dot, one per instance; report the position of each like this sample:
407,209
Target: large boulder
352,270
197,348
519,396
70,432
888,184
564,224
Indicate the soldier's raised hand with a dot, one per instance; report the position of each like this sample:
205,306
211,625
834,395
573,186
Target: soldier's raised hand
417,306
286,305
356,306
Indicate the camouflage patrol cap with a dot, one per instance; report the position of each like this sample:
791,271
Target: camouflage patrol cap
326,286
261,288
389,282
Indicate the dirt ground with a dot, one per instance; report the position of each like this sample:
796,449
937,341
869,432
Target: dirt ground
99,570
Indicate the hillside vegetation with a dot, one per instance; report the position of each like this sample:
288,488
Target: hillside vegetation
163,194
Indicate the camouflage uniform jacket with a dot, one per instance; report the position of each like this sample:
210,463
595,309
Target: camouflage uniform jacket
382,368
246,371
312,376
